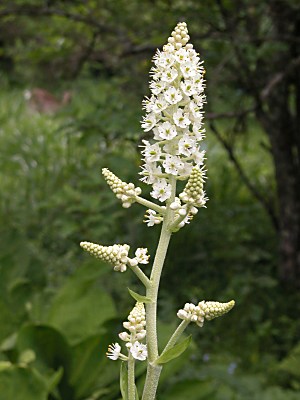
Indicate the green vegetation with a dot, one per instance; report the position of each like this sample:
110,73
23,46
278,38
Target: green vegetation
59,308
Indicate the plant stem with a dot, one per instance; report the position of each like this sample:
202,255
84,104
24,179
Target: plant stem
153,370
176,335
150,204
142,277
131,380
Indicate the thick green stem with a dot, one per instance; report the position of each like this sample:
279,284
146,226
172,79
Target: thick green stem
153,371
176,335
131,380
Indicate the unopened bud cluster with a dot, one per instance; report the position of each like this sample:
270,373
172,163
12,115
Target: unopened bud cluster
179,37
204,310
126,192
117,255
135,325
193,194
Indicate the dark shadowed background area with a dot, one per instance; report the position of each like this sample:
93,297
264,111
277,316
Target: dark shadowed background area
73,75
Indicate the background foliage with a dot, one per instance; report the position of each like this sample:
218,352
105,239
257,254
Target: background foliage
59,309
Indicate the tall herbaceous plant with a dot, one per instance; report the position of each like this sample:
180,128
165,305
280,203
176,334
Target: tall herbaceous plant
174,113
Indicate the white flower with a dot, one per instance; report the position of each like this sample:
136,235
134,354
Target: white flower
161,190
152,218
151,152
173,95
198,131
188,69
198,157
164,60
142,256
156,87
159,105
186,145
188,87
172,164
114,351
181,55
139,351
181,119
186,169
169,75
167,131
150,170
148,122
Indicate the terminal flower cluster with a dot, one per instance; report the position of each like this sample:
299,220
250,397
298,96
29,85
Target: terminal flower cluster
117,255
204,310
174,114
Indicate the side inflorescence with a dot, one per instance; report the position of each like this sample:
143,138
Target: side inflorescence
117,255
126,192
136,334
204,310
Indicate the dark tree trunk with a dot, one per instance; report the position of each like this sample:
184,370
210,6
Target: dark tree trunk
280,120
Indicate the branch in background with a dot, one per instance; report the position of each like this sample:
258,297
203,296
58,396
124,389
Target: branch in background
37,11
266,203
86,53
229,114
277,78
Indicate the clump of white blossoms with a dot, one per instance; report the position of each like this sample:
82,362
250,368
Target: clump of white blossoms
174,113
137,332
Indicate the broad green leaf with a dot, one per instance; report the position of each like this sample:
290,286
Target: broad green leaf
90,369
81,307
49,346
139,297
291,363
190,390
124,380
175,351
19,383
136,393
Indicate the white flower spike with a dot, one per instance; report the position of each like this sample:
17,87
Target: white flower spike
174,113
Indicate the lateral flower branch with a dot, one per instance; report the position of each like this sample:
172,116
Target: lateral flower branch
174,113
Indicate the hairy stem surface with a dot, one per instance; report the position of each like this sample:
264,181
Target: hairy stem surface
153,370
131,380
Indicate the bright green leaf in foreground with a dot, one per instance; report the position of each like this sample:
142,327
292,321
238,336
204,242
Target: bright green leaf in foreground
139,297
175,351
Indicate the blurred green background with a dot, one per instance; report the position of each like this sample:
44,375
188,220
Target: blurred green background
59,308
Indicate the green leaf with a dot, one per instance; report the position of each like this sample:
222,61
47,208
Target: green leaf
175,351
124,380
81,296
136,393
90,369
139,297
19,383
49,346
